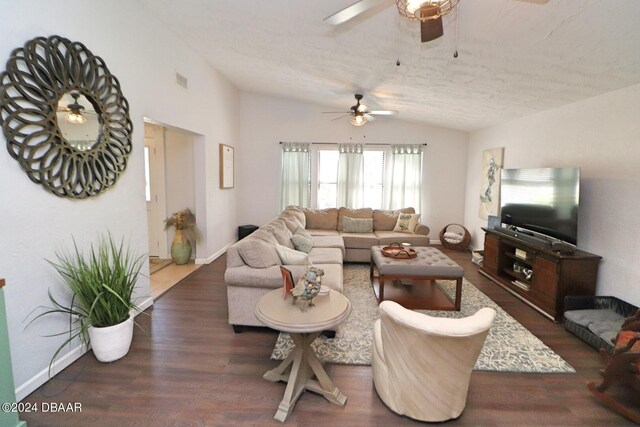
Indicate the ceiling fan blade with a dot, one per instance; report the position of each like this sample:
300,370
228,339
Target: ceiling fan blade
341,117
431,29
383,112
369,117
336,112
350,12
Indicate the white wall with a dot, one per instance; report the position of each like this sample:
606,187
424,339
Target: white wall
144,56
602,136
179,176
268,120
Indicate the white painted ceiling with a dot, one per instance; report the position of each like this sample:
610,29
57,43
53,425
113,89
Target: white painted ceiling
516,57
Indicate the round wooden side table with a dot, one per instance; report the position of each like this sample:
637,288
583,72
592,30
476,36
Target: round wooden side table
300,367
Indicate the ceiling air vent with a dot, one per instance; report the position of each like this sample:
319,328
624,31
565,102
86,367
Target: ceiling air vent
181,80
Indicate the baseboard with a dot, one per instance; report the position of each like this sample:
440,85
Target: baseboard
435,242
213,257
62,362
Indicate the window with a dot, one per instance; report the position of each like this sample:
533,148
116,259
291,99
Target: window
328,175
327,178
392,176
373,178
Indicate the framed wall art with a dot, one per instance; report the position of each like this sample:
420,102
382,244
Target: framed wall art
226,166
490,182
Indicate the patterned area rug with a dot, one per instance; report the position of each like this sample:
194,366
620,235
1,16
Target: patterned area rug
509,347
156,264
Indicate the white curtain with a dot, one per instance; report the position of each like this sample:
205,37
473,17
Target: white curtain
296,174
350,188
404,177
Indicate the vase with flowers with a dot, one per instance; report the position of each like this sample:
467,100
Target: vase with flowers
184,223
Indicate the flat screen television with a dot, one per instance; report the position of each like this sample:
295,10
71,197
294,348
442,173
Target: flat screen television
542,200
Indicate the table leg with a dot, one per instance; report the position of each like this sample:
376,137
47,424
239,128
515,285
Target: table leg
458,293
304,365
380,288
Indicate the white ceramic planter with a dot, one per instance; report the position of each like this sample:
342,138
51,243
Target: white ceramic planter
113,342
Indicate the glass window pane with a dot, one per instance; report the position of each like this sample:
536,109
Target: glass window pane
373,166
327,196
373,178
328,166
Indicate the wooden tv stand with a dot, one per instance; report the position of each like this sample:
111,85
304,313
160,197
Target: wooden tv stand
553,275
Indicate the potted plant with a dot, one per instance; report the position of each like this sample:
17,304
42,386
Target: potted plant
101,306
185,224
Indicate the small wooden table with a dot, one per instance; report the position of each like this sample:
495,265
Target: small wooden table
304,327
429,265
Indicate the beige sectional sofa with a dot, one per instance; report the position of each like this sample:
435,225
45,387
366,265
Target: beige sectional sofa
253,264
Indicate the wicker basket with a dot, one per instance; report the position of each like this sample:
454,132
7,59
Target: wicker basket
461,246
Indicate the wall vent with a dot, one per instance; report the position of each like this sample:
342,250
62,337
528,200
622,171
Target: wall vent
181,81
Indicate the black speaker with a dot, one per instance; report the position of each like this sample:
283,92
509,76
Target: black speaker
245,230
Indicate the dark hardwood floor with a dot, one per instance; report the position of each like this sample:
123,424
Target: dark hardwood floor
189,369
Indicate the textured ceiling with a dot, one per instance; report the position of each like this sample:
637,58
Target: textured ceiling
516,57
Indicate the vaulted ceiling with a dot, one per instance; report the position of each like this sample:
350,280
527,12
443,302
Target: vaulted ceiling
516,57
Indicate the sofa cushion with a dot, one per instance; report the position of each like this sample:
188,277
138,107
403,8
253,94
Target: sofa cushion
325,256
271,278
359,240
406,223
357,225
296,212
291,222
353,213
329,242
317,232
290,256
257,253
280,232
388,237
322,219
302,243
265,235
386,220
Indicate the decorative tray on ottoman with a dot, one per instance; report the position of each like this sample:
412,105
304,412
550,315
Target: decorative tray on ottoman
396,250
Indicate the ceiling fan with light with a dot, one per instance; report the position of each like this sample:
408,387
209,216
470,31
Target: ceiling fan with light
428,12
360,113
75,112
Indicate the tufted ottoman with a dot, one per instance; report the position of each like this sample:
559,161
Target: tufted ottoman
414,280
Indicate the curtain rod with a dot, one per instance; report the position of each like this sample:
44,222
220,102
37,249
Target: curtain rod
336,143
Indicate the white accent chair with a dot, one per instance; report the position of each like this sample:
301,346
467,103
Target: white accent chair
422,364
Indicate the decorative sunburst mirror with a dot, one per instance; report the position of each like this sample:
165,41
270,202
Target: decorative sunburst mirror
64,117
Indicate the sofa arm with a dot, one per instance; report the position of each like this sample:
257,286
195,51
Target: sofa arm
422,230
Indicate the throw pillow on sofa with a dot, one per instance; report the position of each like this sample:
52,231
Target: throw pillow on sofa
384,220
407,223
357,225
257,253
353,214
302,243
291,256
305,233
